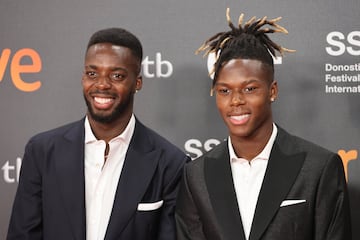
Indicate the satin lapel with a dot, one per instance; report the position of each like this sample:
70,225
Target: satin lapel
222,194
69,154
281,172
139,167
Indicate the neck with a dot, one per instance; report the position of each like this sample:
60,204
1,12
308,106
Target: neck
107,131
250,147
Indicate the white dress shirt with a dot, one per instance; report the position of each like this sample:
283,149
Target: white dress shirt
248,177
101,177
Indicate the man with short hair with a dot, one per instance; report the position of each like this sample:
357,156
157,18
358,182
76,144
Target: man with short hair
106,176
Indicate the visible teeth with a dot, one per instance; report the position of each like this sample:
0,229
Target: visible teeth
102,100
241,117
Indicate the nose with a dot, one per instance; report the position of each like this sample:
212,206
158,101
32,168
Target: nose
237,98
103,82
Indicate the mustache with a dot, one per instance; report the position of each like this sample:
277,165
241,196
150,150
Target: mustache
105,93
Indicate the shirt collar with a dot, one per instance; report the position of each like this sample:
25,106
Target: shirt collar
264,154
125,135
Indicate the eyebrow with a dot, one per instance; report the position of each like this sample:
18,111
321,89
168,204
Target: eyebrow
112,68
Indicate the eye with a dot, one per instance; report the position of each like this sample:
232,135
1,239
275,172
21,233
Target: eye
91,74
117,76
250,89
223,91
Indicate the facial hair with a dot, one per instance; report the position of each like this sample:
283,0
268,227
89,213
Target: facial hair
115,114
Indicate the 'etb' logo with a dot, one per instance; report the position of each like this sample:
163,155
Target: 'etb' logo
158,68
11,172
17,68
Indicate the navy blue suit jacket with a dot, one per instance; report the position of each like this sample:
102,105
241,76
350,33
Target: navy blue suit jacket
50,200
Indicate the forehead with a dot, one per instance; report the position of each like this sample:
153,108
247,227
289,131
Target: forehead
244,70
107,54
108,50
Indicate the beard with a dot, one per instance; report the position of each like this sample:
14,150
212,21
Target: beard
119,110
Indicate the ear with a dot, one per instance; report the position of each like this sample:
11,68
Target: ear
138,85
273,91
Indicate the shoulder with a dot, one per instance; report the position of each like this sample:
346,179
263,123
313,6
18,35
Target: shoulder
218,152
315,154
291,142
76,127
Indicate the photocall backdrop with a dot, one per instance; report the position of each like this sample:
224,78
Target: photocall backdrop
42,48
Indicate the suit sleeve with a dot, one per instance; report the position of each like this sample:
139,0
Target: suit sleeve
26,217
167,229
188,224
332,218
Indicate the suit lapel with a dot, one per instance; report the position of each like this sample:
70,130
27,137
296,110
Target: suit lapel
281,172
139,167
69,154
222,194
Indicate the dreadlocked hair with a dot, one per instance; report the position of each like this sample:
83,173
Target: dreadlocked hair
248,42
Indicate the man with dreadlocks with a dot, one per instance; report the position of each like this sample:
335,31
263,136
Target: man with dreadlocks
262,183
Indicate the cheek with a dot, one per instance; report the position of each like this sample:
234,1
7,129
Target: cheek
85,84
219,103
222,105
123,92
122,89
262,107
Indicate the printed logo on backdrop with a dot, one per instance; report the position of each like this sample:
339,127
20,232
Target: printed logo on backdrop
157,67
23,61
11,170
195,148
21,64
343,78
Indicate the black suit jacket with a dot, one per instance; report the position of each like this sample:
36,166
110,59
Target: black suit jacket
50,200
297,170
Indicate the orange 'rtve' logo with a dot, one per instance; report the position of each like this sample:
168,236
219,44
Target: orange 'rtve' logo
16,68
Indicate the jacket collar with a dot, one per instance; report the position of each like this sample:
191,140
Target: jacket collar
141,160
282,170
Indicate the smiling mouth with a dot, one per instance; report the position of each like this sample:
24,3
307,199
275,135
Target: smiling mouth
239,119
103,103
101,100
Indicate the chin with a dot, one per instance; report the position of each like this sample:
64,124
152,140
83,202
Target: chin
243,133
102,116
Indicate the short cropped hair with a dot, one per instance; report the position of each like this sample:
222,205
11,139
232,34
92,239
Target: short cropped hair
118,37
